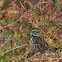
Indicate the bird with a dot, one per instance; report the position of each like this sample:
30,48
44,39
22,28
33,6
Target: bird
37,42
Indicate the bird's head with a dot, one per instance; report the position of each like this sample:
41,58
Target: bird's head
34,32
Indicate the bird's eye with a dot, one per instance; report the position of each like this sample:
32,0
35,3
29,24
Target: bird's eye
37,32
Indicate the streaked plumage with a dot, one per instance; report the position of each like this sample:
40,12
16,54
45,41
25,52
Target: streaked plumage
36,38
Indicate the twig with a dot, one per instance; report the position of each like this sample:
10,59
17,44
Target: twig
5,42
36,59
14,48
35,55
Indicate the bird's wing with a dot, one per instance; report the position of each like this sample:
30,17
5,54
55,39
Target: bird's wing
43,42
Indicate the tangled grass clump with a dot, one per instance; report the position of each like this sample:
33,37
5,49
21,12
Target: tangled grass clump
15,24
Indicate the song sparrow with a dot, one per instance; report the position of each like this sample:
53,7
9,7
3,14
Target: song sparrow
36,40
